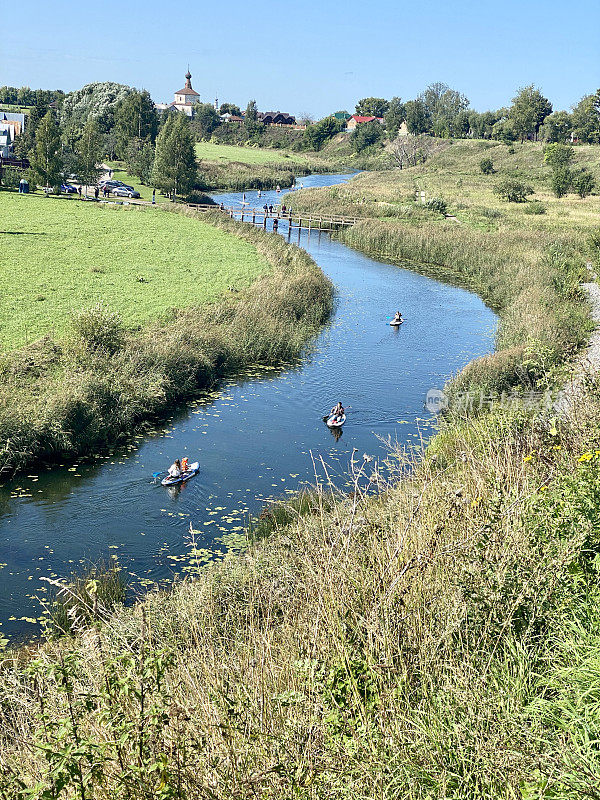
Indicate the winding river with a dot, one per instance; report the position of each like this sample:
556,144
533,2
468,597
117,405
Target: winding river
256,438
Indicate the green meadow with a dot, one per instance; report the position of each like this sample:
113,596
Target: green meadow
226,153
63,255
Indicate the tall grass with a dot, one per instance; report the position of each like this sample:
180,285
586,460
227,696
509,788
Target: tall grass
60,400
410,644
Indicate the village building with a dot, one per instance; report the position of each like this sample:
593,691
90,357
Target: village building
276,118
185,99
356,120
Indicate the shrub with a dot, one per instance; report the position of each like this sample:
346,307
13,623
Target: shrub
583,183
512,190
97,329
486,165
558,155
561,181
436,204
535,207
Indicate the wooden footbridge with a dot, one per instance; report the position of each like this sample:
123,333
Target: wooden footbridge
290,219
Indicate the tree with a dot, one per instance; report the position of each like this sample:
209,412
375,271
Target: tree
89,151
481,125
26,140
206,120
528,111
512,190
394,117
372,107
561,181
558,155
583,182
135,118
557,127
175,170
486,165
408,151
418,119
586,118
140,159
444,107
368,134
230,108
251,111
97,100
316,135
45,158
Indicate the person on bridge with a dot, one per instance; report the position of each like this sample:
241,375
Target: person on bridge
283,209
266,208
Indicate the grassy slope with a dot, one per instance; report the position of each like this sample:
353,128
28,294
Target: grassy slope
71,395
66,255
440,641
227,153
527,266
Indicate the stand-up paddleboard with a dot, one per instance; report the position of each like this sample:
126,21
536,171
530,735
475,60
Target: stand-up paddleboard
333,422
192,470
396,323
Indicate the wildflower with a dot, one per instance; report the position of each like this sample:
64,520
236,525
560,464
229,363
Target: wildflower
528,458
543,488
586,457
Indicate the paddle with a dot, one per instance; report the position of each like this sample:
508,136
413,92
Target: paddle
158,474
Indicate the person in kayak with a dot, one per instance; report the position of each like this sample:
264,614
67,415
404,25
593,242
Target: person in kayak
175,469
398,317
337,412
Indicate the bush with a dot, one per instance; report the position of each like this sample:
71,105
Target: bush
558,156
512,190
97,329
436,204
535,207
583,183
561,181
486,165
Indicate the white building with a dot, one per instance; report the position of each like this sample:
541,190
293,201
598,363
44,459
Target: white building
186,98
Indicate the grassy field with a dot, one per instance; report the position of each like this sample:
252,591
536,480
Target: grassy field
66,255
437,638
136,306
210,151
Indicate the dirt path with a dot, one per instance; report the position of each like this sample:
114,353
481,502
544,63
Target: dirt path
588,362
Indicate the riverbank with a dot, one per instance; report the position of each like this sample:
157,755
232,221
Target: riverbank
526,260
102,376
439,639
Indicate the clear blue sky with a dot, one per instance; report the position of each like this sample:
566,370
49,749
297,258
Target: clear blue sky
313,57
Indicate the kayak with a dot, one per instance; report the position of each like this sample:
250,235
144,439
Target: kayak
396,323
192,470
332,422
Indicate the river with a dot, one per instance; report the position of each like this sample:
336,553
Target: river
256,438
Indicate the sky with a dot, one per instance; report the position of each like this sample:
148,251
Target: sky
308,57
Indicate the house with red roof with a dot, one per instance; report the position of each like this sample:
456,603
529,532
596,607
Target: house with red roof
356,119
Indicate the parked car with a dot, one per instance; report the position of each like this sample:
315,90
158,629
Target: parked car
66,188
125,191
110,184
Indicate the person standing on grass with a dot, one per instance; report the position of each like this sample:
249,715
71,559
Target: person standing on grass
79,191
153,197
96,192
